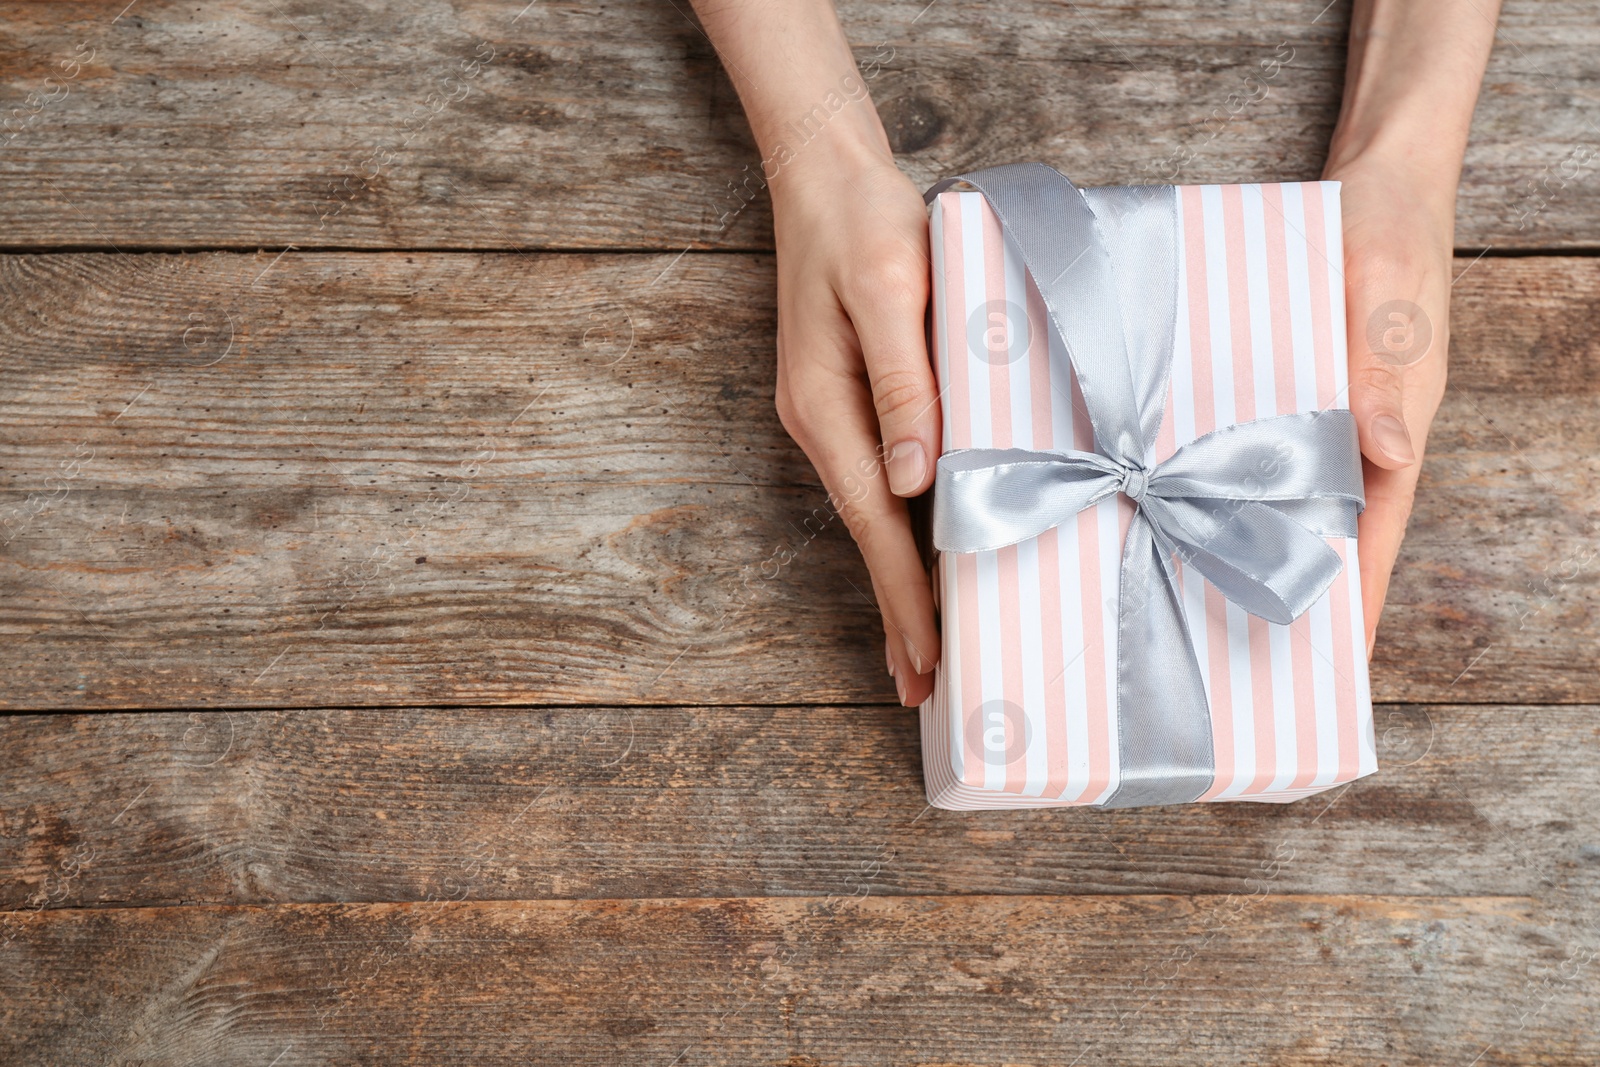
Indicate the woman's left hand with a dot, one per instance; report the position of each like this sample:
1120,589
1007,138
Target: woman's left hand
1397,264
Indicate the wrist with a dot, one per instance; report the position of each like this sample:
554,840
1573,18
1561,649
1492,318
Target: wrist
1411,83
819,129
1410,148
1418,186
804,159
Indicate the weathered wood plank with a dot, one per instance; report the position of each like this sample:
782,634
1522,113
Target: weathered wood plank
499,125
341,479
417,805
970,980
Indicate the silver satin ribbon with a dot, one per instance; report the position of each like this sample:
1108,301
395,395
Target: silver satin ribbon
1247,505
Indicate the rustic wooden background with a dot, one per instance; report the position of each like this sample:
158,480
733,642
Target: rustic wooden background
387,462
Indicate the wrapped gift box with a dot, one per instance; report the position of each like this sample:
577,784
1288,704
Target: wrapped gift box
1024,709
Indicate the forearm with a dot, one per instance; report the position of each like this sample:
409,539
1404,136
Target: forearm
797,79
1411,82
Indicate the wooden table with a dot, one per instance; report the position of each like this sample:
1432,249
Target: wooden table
387,465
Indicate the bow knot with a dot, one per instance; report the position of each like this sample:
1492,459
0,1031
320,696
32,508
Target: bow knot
1134,483
1247,505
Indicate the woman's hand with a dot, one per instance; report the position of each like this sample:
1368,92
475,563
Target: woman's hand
1397,262
1412,81
855,387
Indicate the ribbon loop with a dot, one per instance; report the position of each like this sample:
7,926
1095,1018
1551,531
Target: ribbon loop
1247,505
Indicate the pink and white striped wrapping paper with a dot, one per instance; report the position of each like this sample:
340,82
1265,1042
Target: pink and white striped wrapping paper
1023,712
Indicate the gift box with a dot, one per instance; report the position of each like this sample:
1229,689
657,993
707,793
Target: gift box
1239,290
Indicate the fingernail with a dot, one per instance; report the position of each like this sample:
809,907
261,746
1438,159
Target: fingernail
907,464
1391,436
900,687
916,661
888,656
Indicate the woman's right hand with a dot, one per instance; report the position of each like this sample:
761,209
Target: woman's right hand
855,386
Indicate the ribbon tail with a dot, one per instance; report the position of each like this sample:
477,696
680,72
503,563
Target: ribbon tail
1256,556
1163,716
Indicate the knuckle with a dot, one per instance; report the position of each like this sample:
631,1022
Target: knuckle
796,399
1393,501
1374,385
1400,507
857,522
789,410
894,279
897,393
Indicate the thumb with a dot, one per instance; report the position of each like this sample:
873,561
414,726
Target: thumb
1397,335
1381,421
889,324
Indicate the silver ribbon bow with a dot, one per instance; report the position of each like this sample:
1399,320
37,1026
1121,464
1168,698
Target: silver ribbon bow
1247,505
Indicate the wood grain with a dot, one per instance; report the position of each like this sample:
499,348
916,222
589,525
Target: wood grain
561,125
351,479
336,478
436,803
391,490
968,980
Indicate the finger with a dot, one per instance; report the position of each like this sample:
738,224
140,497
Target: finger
887,307
1397,374
1377,400
881,526
912,688
832,417
1381,529
1395,347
